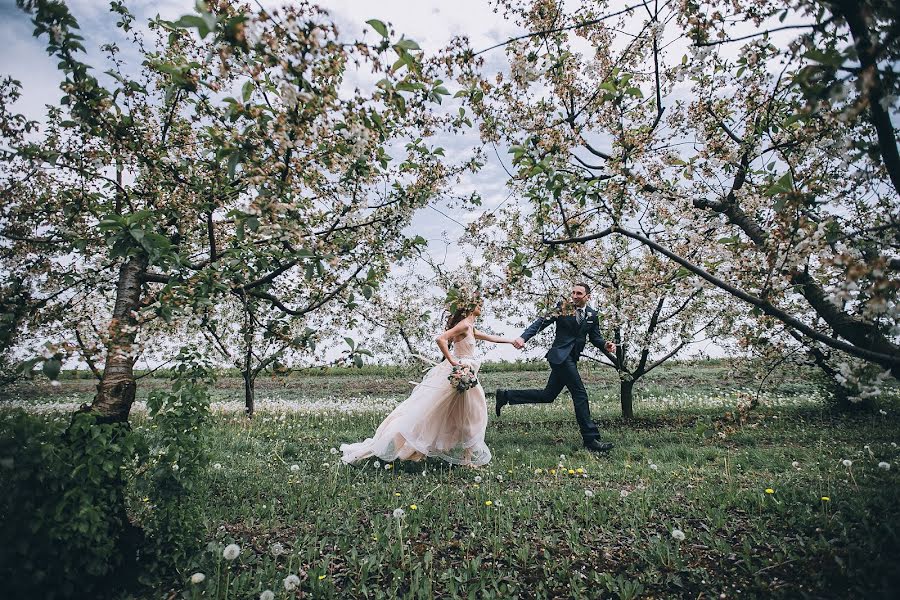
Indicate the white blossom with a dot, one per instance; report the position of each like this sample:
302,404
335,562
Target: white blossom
289,94
56,33
197,578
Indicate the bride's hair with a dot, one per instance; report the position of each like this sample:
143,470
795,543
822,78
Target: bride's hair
455,317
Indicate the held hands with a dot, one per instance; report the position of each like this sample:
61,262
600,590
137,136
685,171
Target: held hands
610,347
518,343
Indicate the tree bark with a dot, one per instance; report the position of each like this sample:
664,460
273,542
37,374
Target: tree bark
115,392
249,391
626,398
248,372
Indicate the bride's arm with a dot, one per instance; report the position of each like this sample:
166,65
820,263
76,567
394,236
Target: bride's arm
443,340
492,338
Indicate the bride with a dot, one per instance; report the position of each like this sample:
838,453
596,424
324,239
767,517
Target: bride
437,419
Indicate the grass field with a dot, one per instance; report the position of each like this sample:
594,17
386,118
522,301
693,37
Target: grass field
693,502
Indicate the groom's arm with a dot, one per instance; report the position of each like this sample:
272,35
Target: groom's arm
595,336
539,325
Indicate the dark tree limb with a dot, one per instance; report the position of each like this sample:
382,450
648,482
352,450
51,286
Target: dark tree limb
889,361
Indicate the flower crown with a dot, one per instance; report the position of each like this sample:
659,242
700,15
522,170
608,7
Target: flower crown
463,297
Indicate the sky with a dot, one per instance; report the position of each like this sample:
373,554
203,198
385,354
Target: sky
432,23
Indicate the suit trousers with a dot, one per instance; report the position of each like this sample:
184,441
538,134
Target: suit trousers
562,375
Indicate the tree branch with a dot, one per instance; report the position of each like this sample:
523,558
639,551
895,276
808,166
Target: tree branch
889,361
87,356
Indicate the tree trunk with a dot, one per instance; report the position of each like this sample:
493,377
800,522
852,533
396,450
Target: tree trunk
247,371
249,382
115,392
626,397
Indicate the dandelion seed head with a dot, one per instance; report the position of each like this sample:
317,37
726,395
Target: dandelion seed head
884,465
295,468
231,552
197,578
291,582
399,513
847,462
589,493
267,595
678,534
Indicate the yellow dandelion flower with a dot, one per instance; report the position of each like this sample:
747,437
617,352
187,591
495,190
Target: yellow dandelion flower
826,499
770,491
571,472
413,507
488,503
397,494
321,577
475,485
553,471
579,470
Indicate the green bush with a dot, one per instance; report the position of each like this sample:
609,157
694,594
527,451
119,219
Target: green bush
176,459
62,514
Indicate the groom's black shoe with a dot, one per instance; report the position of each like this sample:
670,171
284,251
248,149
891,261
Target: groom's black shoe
598,446
501,401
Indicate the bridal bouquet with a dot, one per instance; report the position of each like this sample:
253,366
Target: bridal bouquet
462,377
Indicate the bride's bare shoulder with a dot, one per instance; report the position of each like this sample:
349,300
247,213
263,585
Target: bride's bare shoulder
467,331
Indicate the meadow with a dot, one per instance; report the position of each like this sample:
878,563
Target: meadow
701,497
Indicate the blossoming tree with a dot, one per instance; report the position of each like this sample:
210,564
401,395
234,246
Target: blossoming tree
763,162
239,163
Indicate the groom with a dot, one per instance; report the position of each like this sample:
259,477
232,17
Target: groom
563,357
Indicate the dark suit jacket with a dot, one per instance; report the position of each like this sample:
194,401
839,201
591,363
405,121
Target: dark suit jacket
570,336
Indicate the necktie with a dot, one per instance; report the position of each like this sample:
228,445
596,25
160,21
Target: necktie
580,315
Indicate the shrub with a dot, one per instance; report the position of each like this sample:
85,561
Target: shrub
63,518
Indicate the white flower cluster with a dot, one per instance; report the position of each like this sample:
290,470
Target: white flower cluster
357,137
696,64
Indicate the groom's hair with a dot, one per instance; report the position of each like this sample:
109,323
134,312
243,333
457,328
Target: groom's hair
587,288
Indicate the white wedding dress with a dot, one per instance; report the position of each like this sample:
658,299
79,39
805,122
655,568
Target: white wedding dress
435,420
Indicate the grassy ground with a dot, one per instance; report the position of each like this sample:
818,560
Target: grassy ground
765,505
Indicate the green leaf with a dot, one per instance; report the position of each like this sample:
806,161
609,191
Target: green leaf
367,292
378,26
247,90
52,367
193,21
783,185
407,45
